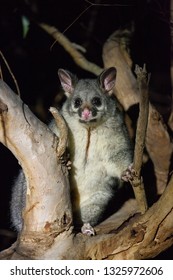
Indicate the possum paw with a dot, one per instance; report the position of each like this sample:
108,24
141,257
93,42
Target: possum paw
65,160
87,229
128,174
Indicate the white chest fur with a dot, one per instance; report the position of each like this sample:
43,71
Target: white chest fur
92,151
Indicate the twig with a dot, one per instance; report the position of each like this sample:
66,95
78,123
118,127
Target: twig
142,81
137,182
11,73
78,58
63,132
1,74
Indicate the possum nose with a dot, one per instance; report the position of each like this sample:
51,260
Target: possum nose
86,114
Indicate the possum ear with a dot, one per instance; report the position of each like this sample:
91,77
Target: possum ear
107,79
68,81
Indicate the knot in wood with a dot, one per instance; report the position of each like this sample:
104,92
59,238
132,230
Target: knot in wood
138,233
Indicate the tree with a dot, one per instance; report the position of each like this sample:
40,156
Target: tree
127,234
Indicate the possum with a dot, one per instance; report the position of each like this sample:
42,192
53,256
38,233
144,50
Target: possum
99,146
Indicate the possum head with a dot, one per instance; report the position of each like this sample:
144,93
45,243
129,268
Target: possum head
89,101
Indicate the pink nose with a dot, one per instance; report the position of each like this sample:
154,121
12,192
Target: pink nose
86,114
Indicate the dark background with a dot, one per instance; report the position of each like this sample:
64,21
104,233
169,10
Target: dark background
35,64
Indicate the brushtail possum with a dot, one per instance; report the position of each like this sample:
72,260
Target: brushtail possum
99,146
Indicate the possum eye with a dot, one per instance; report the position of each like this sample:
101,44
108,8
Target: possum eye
96,101
77,102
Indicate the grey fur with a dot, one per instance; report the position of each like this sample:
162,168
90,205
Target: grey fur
18,201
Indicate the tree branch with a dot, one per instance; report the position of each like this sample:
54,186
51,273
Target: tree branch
126,86
78,58
143,238
48,207
63,138
137,181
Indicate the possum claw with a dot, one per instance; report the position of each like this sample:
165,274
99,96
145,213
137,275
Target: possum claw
65,161
87,229
128,174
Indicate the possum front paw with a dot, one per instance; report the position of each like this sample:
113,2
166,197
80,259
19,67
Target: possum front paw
65,160
128,174
87,229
